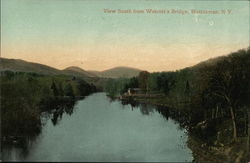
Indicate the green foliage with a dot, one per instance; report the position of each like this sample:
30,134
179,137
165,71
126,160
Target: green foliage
25,95
187,89
115,87
132,83
143,79
54,88
68,90
213,90
153,81
165,82
85,88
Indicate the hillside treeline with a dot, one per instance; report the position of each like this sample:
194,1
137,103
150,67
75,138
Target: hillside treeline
24,96
210,97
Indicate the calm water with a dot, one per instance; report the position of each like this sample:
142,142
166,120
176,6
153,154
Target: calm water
101,130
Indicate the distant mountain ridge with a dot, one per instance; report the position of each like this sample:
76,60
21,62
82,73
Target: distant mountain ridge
78,71
19,65
117,72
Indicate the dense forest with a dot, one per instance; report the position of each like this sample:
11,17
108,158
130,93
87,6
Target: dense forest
24,96
211,98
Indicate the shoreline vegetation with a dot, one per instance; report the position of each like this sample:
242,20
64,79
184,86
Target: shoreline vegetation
25,96
211,100
203,150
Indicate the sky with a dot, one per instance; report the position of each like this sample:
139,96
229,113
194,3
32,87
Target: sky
62,33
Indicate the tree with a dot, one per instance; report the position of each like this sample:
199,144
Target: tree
54,88
60,89
132,83
68,90
85,88
153,81
229,83
165,82
187,89
143,80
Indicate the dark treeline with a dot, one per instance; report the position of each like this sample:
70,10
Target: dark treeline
24,96
211,99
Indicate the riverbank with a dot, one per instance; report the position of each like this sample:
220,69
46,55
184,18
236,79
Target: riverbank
234,152
25,96
223,149
159,99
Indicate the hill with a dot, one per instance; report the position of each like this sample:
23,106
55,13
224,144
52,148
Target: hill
117,72
18,65
77,71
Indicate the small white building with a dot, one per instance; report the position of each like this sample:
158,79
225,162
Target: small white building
132,91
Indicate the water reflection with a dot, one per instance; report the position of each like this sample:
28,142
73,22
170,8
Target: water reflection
64,106
145,109
180,117
21,143
103,130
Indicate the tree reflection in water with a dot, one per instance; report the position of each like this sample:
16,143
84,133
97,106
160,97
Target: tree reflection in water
21,142
175,114
65,105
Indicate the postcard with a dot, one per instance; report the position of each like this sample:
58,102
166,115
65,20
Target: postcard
125,81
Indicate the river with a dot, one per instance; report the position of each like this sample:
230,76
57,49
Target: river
103,130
